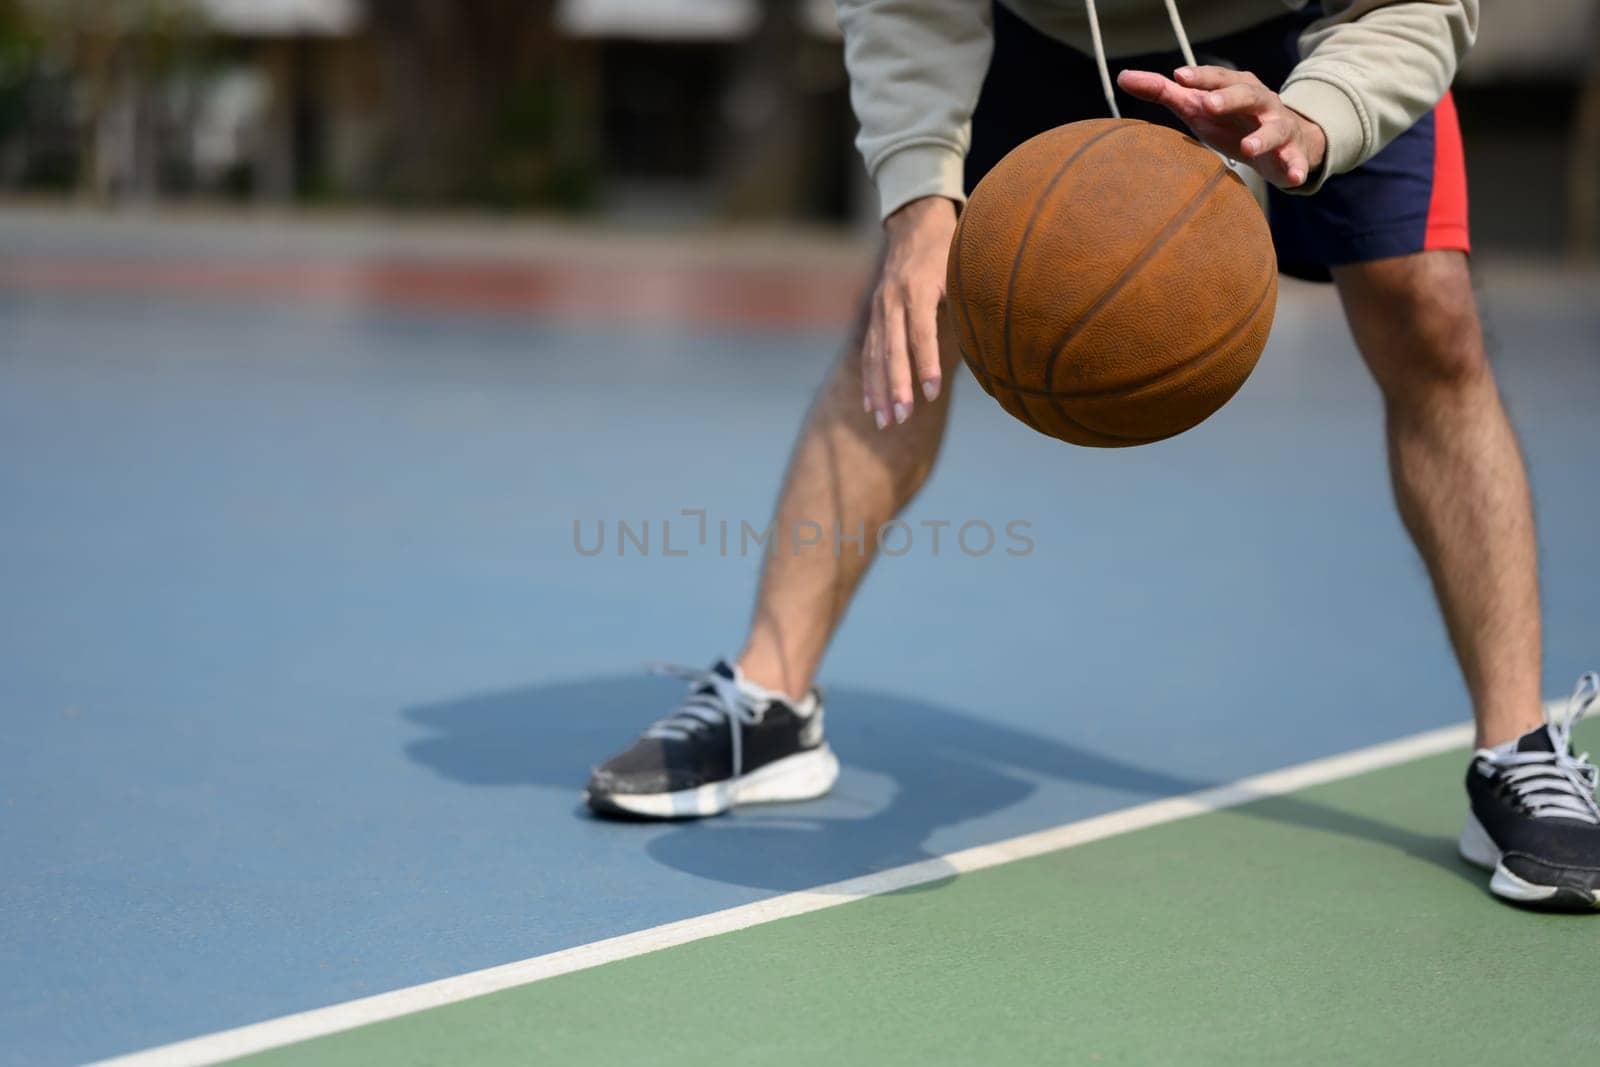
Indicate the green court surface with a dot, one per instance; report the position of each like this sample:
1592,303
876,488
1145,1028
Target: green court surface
1330,925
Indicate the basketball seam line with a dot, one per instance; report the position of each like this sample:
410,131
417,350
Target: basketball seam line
979,371
1068,419
1188,364
1085,428
1161,238
966,315
1199,360
1022,247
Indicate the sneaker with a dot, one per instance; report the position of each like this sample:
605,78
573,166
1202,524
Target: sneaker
1533,818
730,742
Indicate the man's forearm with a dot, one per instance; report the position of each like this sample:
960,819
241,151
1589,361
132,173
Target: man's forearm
1372,68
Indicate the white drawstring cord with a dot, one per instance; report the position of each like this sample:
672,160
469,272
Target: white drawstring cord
1100,48
1100,59
1177,29
1258,188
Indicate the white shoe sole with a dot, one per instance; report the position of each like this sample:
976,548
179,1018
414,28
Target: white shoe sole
803,776
1479,849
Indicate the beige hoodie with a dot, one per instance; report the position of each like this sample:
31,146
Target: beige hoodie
1368,70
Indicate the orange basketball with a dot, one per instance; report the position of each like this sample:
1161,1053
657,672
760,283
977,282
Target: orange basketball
1111,283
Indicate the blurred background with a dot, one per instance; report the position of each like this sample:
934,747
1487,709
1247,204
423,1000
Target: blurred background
678,112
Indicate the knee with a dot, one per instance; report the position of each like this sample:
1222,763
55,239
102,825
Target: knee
1423,340
1445,357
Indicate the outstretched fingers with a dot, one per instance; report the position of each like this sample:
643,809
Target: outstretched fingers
1213,77
1242,98
923,319
874,377
1156,89
898,352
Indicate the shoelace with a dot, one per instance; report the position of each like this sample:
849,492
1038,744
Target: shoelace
1558,784
712,701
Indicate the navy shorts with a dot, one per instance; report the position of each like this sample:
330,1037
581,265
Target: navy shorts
1410,197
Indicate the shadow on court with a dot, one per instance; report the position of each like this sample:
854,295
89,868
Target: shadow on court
911,768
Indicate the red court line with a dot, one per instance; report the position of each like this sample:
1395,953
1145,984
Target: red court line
762,297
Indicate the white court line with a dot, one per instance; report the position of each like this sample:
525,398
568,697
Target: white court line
318,1022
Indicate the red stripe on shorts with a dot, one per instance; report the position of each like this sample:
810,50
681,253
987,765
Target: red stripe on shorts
1447,205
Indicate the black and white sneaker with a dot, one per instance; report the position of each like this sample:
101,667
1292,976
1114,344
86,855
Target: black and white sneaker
730,742
1533,818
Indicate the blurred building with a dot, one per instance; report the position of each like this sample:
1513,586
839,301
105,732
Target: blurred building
140,99
646,109
720,107
700,107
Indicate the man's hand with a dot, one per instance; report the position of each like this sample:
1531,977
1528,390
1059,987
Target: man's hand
1231,111
902,343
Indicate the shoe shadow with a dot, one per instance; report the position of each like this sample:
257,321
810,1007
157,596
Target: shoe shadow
911,769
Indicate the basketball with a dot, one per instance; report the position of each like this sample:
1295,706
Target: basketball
1111,283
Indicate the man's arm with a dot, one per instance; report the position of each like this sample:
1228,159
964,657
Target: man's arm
1368,72
916,67
1371,69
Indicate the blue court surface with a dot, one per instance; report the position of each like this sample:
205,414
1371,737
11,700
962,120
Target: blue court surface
303,669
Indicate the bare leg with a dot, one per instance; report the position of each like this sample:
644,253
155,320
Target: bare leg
1457,471
848,478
